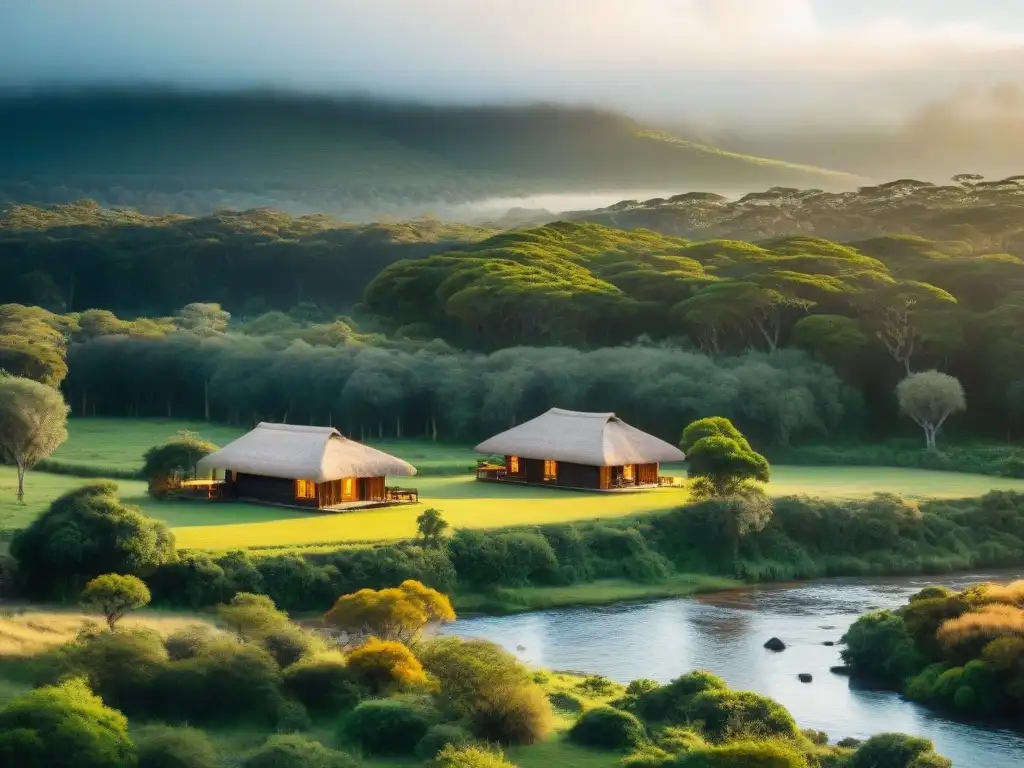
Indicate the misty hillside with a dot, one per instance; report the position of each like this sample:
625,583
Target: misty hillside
163,151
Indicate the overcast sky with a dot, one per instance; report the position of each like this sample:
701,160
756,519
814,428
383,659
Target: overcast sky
705,60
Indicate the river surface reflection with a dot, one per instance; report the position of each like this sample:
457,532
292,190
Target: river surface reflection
725,632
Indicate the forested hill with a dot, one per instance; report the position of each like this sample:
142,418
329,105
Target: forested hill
192,153
81,256
970,208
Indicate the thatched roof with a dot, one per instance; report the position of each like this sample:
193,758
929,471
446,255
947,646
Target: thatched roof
595,439
304,453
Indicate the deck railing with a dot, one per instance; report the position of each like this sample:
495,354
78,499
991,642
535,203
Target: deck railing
394,493
491,472
669,481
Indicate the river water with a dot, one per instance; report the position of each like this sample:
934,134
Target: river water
725,633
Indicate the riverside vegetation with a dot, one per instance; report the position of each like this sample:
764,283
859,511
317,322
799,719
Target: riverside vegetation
960,651
378,692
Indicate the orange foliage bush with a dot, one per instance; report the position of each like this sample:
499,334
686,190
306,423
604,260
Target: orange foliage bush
963,638
1007,594
380,665
398,613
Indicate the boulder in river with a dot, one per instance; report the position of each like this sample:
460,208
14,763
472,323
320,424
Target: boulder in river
805,677
775,645
843,670
829,643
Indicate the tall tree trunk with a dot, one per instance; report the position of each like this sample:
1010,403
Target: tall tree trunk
84,404
21,482
206,399
398,426
380,430
433,428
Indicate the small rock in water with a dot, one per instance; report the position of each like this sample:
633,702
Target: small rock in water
804,677
828,642
840,670
826,627
775,645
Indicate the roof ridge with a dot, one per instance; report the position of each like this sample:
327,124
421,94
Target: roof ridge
583,414
298,428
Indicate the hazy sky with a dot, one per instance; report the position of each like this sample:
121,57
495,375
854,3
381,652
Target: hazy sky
707,60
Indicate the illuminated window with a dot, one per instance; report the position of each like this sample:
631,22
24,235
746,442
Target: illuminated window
348,487
305,489
550,469
627,472
513,465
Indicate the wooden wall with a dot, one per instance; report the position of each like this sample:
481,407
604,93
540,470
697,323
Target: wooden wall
282,491
277,490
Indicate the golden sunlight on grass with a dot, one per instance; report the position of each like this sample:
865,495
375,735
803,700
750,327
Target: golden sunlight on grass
26,631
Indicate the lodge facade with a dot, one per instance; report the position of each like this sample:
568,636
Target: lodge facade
306,467
578,450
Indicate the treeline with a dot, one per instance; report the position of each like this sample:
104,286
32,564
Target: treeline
81,256
433,391
874,310
983,213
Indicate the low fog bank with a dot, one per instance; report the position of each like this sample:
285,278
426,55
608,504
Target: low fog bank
971,131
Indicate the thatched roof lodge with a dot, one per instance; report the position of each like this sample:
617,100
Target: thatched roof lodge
573,449
299,466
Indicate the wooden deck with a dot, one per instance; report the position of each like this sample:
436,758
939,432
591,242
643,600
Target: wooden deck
491,474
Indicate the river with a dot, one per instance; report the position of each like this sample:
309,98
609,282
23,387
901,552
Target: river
725,633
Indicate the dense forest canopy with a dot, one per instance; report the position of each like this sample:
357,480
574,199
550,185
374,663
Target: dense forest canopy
81,256
946,291
985,213
196,152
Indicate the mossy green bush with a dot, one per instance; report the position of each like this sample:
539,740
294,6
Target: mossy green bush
387,726
440,736
608,728
294,751
161,746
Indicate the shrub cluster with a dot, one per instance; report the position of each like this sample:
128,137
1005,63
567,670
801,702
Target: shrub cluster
958,650
805,538
484,686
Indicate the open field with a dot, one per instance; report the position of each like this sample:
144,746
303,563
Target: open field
466,503
446,484
119,445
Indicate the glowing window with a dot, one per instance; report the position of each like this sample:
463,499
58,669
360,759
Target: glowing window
550,469
513,465
348,487
305,489
627,472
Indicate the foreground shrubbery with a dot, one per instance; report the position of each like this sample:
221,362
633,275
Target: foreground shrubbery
696,721
466,694
957,650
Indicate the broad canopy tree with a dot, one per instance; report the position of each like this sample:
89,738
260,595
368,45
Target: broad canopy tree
929,398
114,595
398,613
33,423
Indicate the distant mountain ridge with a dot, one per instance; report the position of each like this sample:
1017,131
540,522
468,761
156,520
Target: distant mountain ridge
164,151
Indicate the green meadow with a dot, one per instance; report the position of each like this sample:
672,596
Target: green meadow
446,483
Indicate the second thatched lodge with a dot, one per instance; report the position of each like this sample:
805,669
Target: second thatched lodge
574,449
308,467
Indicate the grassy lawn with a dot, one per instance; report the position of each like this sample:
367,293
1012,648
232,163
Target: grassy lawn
446,484
119,444
603,592
466,503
